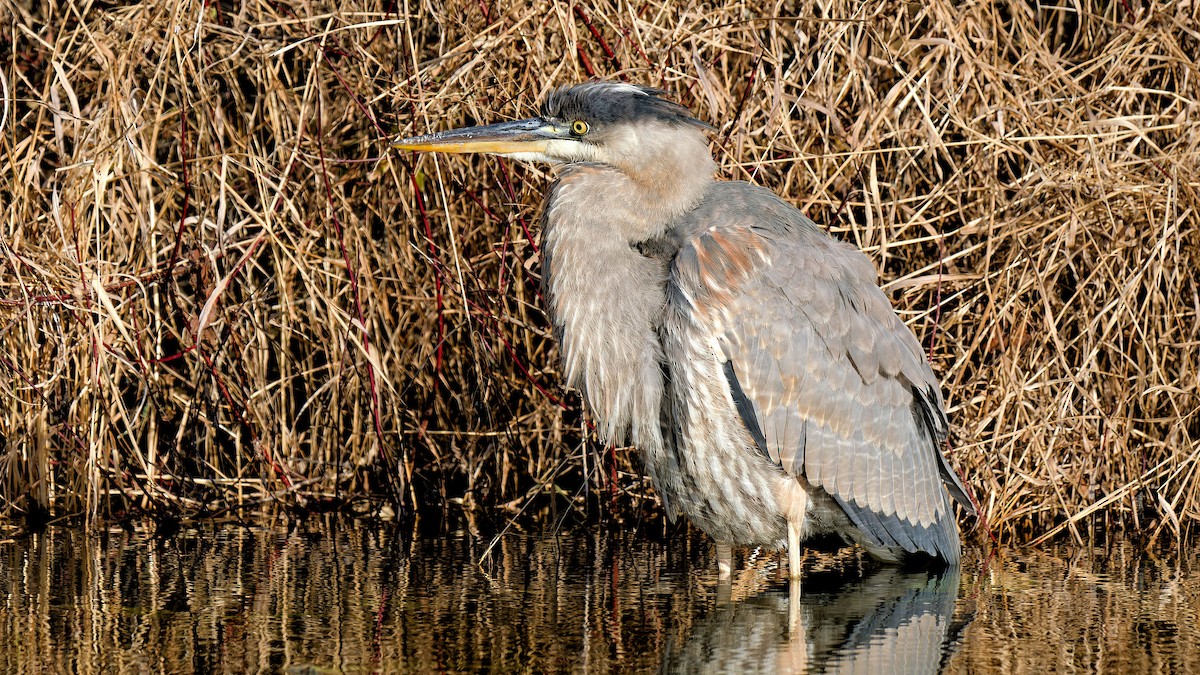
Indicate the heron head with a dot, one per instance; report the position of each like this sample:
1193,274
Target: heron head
626,126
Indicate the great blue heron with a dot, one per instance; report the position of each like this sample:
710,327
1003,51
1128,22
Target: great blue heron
768,383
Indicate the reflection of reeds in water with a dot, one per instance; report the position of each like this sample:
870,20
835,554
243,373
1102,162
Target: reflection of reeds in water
216,289
338,597
332,596
1105,610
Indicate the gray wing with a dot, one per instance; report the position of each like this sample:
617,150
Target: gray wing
831,384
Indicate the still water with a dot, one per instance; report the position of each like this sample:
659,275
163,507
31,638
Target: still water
339,596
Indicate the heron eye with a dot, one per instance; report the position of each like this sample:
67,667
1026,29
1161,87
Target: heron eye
579,127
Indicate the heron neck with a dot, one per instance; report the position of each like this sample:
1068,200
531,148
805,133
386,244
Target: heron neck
606,301
605,298
655,192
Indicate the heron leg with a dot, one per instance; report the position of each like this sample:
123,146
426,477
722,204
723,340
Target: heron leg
794,550
793,576
724,562
724,573
794,622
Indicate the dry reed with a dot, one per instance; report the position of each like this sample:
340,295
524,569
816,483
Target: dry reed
219,290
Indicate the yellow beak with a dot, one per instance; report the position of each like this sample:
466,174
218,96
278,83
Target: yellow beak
505,138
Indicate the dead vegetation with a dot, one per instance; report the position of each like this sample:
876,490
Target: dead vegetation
218,289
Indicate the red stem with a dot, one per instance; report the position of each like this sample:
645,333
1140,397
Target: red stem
512,198
238,412
608,52
353,276
437,274
741,106
587,63
187,187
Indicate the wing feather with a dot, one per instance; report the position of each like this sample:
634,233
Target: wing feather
835,387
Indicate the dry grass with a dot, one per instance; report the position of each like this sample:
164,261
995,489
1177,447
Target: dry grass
217,289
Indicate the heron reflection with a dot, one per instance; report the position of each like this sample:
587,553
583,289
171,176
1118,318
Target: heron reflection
888,622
